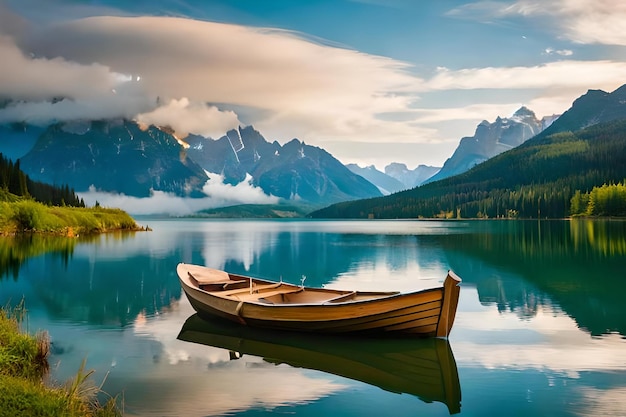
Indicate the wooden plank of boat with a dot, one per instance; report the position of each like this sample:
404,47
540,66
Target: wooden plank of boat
421,367
262,303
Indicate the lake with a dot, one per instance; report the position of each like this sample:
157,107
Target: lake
540,328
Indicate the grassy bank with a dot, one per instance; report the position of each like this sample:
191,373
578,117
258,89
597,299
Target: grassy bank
26,215
23,366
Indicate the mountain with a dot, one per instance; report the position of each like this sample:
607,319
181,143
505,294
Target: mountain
17,139
534,180
115,156
489,140
410,178
385,183
596,106
397,176
120,156
294,171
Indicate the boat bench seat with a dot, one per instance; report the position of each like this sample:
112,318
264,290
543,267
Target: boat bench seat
339,298
264,296
225,285
246,289
209,276
215,278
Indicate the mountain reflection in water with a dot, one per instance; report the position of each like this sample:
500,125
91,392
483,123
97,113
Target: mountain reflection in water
568,264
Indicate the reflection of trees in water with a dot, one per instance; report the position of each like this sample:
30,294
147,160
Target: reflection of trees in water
16,250
96,291
572,264
106,292
607,238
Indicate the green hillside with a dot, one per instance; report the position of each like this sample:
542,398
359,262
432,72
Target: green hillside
536,179
269,211
31,206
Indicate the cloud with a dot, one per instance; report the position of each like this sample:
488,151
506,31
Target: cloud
218,195
185,117
562,52
36,79
580,21
294,87
43,90
46,90
581,75
315,90
479,111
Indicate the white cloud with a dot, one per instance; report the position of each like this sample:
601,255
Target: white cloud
562,52
480,111
288,82
581,21
43,90
569,74
218,195
185,117
36,79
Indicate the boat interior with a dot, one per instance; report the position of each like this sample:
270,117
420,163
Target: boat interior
247,289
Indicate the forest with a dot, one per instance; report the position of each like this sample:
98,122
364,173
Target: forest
14,181
538,179
607,200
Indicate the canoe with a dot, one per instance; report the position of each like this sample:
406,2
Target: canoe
278,305
422,367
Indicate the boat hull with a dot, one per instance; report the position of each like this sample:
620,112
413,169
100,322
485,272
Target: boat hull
424,313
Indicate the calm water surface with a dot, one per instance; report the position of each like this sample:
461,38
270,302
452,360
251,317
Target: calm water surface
540,328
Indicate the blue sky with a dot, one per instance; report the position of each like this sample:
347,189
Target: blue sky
371,81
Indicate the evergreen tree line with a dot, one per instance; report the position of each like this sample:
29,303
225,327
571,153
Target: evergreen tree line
535,180
15,181
607,200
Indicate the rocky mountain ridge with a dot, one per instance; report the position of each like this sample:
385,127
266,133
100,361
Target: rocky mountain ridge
491,139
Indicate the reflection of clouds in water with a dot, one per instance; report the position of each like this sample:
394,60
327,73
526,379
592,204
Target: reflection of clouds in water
244,243
377,275
397,249
549,341
194,379
608,402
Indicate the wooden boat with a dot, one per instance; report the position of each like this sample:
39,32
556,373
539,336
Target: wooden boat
423,367
278,305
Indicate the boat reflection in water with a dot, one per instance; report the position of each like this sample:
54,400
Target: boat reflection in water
421,367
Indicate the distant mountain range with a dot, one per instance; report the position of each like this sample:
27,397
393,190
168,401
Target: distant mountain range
582,149
397,176
294,171
410,177
119,156
491,139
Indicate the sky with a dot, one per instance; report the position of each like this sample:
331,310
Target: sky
370,81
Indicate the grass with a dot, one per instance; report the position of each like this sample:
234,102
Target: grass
23,366
26,215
